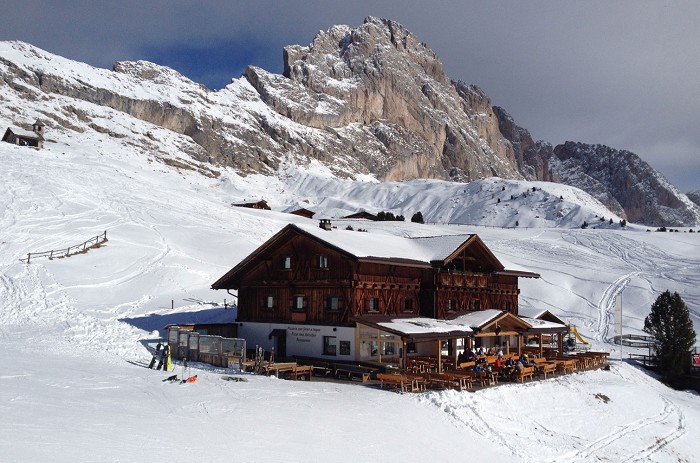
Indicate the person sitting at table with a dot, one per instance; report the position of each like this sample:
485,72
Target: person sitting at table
478,368
499,364
461,358
472,355
523,359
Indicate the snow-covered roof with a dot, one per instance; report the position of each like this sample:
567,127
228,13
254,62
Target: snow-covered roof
542,324
531,312
367,245
480,318
424,325
24,133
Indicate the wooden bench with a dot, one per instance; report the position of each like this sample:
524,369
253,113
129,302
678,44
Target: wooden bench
447,380
396,382
526,372
544,368
566,365
354,371
301,371
465,365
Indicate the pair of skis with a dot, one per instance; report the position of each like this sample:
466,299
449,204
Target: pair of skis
189,379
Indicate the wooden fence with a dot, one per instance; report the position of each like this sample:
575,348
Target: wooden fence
70,250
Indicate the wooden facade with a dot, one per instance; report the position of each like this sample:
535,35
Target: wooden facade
310,276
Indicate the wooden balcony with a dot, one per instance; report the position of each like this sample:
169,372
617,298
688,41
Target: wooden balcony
463,280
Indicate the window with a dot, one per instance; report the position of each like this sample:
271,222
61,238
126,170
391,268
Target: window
411,348
451,305
373,304
298,303
389,348
329,345
344,347
323,262
269,302
287,263
476,304
408,305
333,304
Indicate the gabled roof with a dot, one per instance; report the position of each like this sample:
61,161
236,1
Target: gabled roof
540,314
372,247
484,320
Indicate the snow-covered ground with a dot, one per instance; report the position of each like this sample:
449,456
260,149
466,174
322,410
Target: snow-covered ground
73,386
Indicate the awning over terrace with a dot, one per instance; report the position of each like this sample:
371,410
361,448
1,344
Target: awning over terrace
479,324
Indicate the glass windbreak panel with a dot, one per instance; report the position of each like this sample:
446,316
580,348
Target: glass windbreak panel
209,344
193,342
232,346
183,338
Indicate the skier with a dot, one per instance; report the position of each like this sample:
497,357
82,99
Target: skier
155,356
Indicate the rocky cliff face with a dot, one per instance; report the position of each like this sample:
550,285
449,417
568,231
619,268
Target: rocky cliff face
694,196
381,78
619,179
371,100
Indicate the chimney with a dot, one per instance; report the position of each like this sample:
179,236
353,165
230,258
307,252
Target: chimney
325,224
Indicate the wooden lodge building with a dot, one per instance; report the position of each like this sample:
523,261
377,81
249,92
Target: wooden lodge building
370,297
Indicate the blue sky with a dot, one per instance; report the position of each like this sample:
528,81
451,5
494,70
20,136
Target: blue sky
621,73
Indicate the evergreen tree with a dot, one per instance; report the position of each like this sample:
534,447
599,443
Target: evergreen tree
417,217
670,325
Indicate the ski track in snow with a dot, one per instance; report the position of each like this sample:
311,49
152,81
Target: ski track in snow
596,450
606,306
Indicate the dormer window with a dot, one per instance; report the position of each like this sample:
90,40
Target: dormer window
373,304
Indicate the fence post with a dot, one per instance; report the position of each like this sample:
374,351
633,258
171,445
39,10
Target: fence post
29,256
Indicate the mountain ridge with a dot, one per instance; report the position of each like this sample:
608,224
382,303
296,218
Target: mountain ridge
371,101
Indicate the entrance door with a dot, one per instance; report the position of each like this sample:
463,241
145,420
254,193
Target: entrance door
281,345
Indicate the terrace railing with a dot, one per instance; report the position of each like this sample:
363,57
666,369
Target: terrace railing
81,248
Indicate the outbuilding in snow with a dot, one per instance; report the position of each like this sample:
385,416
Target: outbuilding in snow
21,137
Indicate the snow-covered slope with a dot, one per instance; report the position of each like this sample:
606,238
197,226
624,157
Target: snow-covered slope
73,387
